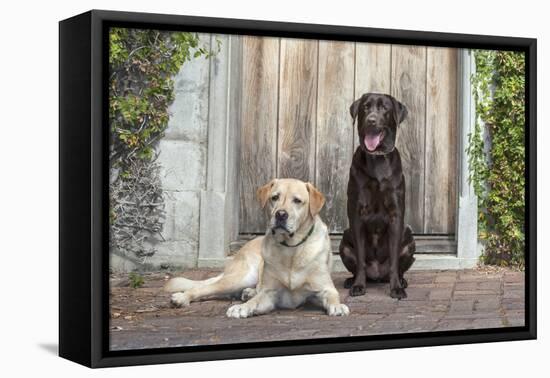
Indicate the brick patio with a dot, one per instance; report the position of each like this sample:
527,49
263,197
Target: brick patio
437,301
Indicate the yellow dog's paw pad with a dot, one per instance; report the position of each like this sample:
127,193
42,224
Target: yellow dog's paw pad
338,310
179,300
239,311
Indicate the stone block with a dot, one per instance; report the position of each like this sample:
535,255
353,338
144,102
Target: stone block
462,306
514,277
487,323
213,240
453,324
513,304
491,285
472,294
516,322
425,278
487,304
470,276
466,286
120,264
440,294
415,294
182,165
182,216
514,294
445,277
175,254
189,111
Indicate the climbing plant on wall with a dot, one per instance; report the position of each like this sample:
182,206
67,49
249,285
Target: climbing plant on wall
497,155
142,64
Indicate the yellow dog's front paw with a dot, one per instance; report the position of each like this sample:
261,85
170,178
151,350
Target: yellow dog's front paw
338,310
179,300
239,311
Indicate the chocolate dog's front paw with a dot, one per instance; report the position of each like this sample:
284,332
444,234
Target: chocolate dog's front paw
398,293
357,290
348,282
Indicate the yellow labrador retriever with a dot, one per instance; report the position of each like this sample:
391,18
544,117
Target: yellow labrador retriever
288,266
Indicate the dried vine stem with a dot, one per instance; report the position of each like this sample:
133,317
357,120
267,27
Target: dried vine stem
137,208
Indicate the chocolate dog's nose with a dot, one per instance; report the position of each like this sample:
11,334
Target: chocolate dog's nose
371,121
281,215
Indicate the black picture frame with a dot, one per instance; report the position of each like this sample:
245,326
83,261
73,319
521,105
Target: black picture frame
83,196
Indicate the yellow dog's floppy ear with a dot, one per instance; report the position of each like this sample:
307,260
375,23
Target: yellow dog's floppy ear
263,192
316,199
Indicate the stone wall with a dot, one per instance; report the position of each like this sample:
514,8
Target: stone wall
183,160
198,164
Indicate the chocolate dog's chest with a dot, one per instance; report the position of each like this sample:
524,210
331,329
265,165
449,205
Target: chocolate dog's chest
377,207
377,204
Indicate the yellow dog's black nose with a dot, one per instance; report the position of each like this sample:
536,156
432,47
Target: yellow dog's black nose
281,215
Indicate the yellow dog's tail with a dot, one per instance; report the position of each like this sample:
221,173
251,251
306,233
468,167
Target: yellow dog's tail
183,284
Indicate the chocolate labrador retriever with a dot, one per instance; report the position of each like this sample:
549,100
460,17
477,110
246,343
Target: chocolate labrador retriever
377,246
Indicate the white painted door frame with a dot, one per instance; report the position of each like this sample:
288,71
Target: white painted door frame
468,251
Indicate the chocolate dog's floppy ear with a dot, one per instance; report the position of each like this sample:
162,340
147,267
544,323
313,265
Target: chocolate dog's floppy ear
354,108
400,111
263,192
316,199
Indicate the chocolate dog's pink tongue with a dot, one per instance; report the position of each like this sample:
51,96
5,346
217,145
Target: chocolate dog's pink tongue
372,141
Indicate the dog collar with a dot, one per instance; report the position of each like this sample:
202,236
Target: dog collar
303,240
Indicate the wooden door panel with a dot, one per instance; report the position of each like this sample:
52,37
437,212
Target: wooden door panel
258,127
409,86
372,72
296,123
441,141
334,129
297,109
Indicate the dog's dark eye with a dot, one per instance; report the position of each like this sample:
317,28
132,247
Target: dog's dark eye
297,200
275,197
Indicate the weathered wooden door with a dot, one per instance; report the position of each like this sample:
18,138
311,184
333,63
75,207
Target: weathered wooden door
295,122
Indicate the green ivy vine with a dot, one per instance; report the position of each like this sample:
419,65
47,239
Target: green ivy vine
496,154
142,64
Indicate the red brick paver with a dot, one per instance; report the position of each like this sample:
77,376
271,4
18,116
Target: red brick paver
437,301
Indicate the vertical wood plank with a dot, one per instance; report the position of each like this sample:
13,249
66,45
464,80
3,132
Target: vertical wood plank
372,73
258,127
334,129
372,68
297,109
409,86
441,141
